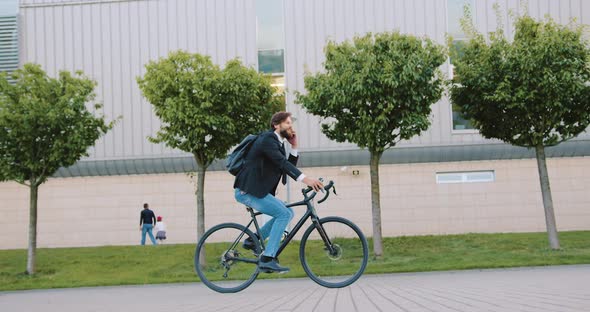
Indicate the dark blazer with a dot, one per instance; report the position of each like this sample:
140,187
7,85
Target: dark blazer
264,166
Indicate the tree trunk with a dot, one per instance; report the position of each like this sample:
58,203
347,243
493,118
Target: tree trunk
200,203
547,200
31,254
201,206
376,204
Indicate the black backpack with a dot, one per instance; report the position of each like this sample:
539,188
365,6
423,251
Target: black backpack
235,161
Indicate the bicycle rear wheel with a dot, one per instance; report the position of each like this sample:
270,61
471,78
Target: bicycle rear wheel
340,265
226,266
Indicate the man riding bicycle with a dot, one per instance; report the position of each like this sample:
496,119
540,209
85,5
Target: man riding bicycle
255,185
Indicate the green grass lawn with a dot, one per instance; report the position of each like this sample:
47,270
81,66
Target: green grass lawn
124,265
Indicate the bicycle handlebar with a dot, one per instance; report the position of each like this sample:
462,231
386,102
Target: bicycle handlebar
326,188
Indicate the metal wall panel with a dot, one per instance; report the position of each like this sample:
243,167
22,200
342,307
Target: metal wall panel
38,3
111,41
310,23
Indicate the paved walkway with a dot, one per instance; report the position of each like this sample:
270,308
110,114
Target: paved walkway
538,289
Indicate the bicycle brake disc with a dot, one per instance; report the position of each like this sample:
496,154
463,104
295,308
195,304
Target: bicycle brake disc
337,254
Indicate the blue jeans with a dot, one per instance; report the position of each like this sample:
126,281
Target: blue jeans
147,228
274,228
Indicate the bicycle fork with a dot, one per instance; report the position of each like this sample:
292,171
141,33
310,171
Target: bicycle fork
327,242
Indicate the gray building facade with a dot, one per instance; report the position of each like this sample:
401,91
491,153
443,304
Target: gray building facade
112,40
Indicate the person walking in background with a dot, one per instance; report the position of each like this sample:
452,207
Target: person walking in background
160,230
147,219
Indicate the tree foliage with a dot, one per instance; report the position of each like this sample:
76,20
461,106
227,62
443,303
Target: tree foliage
205,110
44,123
376,89
529,91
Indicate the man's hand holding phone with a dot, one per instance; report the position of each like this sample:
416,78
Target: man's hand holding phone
293,140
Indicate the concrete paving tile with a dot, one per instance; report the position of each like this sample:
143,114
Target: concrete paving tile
536,289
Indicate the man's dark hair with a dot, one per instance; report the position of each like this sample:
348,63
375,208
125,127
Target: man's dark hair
145,205
278,118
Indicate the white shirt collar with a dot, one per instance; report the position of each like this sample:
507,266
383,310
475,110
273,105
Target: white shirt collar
281,139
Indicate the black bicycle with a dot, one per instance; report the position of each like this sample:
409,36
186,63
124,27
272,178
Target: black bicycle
333,251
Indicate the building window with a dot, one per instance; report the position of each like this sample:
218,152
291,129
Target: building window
465,177
270,36
270,41
8,36
454,14
271,61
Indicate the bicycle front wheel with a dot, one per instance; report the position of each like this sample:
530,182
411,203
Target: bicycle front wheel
226,266
336,259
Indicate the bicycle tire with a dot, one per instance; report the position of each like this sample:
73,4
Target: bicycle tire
317,262
222,246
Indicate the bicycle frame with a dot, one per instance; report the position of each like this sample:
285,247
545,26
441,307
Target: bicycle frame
310,213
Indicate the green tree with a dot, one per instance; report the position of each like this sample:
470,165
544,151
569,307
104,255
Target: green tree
375,91
531,91
44,125
206,110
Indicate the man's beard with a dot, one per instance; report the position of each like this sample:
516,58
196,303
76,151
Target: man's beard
285,134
